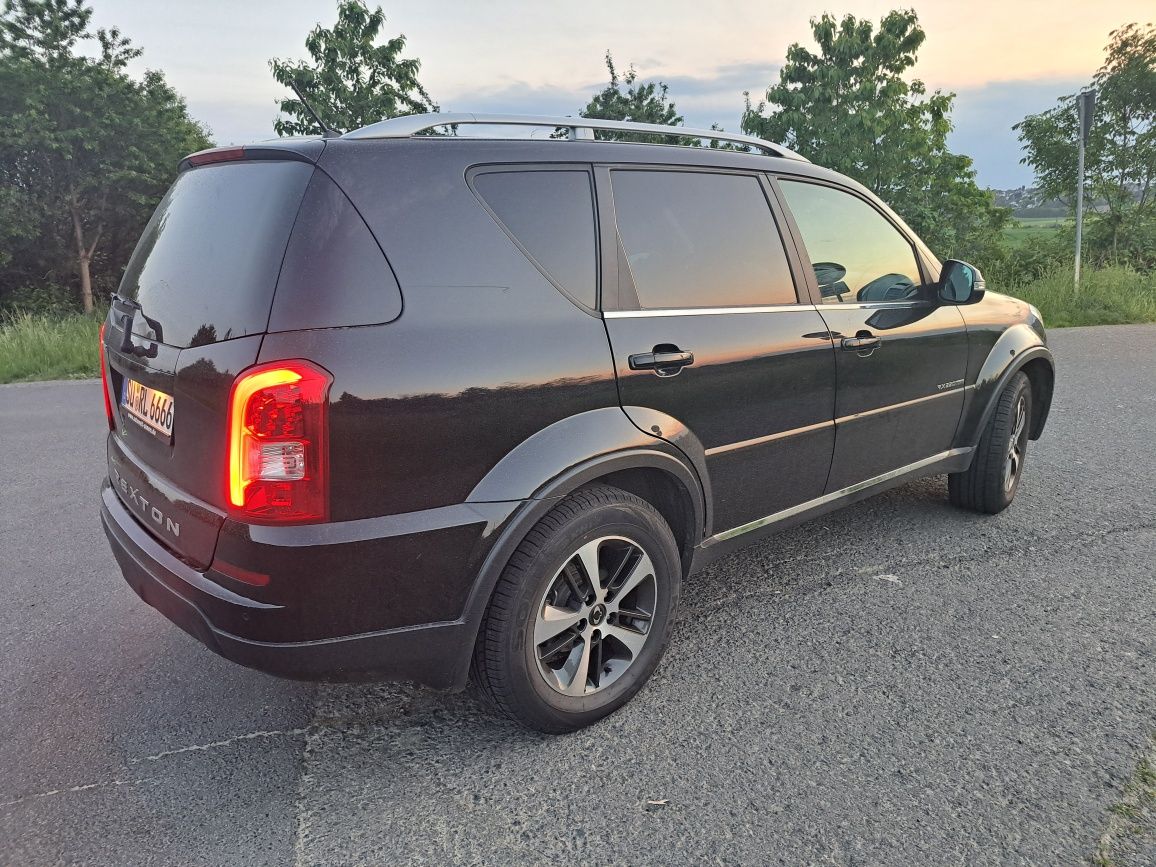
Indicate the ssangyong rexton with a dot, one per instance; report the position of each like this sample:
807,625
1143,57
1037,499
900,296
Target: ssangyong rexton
409,406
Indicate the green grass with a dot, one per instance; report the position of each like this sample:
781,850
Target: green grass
36,347
1131,826
1022,228
1107,296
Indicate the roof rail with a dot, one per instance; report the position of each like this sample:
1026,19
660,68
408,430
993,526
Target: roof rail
580,128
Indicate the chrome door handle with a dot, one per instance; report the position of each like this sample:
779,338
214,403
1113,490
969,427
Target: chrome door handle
662,363
866,343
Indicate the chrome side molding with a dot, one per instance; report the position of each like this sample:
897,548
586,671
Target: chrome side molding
827,499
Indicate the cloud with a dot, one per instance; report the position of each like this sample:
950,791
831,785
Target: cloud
716,97
520,97
983,120
983,115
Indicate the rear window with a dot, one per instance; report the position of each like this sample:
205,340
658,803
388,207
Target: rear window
206,266
551,215
696,239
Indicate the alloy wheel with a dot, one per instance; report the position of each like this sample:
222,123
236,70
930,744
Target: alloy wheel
1016,445
594,618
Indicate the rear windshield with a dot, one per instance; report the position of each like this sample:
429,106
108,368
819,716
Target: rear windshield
207,264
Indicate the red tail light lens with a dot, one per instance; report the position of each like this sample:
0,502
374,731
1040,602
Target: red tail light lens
104,383
278,448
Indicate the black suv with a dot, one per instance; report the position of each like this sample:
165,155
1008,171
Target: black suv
415,404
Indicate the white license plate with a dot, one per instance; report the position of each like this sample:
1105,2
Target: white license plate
152,408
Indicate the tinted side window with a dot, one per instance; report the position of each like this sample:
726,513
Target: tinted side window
856,253
334,274
551,213
694,239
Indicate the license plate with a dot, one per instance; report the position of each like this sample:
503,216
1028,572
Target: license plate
152,408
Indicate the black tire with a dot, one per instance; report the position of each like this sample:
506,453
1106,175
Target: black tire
545,576
986,486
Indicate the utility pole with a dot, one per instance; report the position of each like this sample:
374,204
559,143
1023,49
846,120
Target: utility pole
1086,106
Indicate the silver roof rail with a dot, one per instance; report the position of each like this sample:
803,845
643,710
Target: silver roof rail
581,128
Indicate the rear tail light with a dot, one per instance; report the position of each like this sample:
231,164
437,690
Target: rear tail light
278,443
104,383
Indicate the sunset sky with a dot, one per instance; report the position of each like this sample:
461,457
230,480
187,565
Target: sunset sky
1004,59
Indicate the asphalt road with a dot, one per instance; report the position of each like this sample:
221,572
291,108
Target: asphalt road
897,683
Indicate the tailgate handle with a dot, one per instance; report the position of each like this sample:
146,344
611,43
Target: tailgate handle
125,321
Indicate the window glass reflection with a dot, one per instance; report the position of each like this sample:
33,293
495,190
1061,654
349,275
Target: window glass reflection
856,253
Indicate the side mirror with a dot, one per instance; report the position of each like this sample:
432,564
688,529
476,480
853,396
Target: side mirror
960,283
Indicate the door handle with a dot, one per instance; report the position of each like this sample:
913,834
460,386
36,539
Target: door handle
863,343
664,363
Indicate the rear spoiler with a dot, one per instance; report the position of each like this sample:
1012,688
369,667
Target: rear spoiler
305,150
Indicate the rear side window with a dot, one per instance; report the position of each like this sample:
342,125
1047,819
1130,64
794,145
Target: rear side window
857,254
206,266
697,239
334,273
551,216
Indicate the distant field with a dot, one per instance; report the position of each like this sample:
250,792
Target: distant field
1022,228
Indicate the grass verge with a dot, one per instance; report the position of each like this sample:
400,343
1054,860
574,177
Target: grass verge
1130,837
36,347
1107,296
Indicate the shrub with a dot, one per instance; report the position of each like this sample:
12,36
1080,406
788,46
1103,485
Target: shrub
1107,296
36,346
46,300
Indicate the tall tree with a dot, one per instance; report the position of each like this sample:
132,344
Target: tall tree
84,146
1120,163
352,80
625,98
851,107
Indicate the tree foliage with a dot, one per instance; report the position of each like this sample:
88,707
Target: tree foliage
351,81
624,98
850,106
86,150
1120,158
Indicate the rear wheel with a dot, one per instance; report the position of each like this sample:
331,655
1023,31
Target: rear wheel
990,484
582,613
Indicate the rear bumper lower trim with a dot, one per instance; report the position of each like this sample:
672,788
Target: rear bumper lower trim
433,654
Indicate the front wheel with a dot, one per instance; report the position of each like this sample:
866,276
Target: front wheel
990,484
582,613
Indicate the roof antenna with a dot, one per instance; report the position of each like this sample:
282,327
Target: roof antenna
326,131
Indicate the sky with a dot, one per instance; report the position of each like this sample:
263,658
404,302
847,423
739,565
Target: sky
1003,58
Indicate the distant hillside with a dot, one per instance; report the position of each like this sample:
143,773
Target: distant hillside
1027,202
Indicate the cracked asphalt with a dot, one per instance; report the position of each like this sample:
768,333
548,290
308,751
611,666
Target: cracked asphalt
896,683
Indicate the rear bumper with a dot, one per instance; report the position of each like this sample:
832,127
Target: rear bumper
437,654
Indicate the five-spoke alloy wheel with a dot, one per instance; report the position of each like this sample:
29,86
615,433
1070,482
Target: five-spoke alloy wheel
582,613
595,616
1017,444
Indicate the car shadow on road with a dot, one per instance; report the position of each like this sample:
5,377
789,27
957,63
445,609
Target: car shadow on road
788,562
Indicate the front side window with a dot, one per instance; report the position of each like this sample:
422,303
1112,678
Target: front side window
857,254
551,213
699,239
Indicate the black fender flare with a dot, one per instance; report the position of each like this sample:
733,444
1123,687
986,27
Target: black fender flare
1015,349
540,465
589,445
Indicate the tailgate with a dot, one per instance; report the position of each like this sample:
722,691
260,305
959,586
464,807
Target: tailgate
189,316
